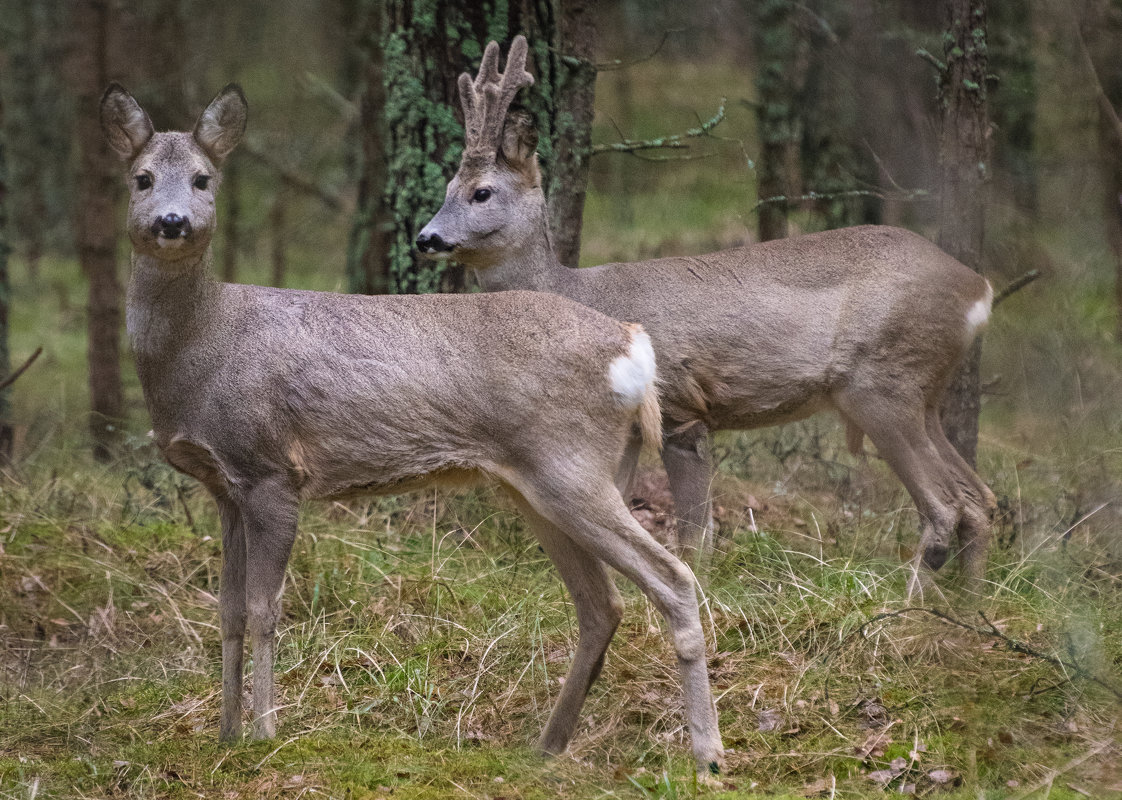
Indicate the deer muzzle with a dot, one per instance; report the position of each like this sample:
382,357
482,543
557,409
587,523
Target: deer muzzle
433,243
171,226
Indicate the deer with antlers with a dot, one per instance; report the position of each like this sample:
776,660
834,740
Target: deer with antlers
273,396
869,321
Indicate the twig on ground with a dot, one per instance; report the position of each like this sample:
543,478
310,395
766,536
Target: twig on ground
992,631
1068,767
8,381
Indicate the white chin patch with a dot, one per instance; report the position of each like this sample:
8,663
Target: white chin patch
170,244
632,375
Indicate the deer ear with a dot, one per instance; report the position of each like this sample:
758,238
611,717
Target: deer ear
124,122
222,124
520,141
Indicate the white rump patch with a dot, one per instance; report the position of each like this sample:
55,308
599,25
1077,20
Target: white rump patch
633,375
979,314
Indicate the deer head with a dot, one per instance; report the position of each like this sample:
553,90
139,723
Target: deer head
495,202
172,177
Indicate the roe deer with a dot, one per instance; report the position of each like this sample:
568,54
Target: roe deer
870,321
272,396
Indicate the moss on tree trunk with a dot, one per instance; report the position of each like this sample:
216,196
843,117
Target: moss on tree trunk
413,137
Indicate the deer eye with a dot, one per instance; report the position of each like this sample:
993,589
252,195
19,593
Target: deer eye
143,182
481,196
201,182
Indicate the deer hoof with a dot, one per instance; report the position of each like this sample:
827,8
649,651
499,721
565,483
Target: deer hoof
934,556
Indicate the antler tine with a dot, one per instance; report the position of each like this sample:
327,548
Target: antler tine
489,66
500,93
472,96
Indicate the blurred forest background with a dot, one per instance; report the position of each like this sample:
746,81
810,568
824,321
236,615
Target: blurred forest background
668,128
690,127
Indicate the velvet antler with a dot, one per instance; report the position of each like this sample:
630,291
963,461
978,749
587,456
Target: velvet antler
486,99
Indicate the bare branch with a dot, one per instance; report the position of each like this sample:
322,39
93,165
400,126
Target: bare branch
291,178
1106,108
930,59
609,66
1016,286
319,88
672,142
8,381
913,194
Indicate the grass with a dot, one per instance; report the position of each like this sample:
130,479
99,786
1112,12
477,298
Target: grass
425,637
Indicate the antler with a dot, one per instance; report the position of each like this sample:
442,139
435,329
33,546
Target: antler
486,100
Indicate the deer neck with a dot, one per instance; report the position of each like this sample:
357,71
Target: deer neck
533,266
167,310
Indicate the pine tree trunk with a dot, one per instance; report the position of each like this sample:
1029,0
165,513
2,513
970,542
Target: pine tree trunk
96,227
775,114
411,118
231,222
278,238
964,156
6,436
1102,36
572,128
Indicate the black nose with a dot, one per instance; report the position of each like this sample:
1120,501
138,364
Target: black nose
433,244
172,226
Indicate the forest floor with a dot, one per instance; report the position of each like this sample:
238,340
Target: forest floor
424,637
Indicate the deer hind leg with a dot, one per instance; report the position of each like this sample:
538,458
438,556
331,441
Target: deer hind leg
689,471
231,603
899,433
269,513
975,528
625,475
597,522
599,610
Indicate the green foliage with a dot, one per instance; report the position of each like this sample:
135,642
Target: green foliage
425,142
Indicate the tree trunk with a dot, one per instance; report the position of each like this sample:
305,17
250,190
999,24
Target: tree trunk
574,91
964,157
776,118
6,436
1102,33
96,226
369,247
231,222
1013,102
411,117
278,237
830,155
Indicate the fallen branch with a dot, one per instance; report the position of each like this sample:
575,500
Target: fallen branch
991,630
1016,286
8,381
1068,767
675,141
